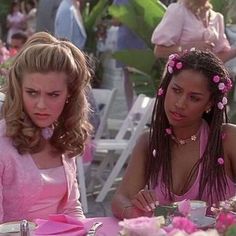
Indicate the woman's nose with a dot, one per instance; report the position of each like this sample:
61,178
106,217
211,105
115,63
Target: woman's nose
41,103
181,102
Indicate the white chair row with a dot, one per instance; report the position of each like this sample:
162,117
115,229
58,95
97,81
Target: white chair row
123,143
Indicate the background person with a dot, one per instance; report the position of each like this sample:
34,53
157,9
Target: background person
191,24
45,124
189,152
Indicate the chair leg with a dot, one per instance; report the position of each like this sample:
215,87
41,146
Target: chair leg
114,173
82,185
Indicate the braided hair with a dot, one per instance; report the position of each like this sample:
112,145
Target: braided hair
158,167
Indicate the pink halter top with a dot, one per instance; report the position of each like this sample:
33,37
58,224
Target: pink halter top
192,193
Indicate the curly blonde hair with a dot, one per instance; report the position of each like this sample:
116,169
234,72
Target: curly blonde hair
195,6
44,53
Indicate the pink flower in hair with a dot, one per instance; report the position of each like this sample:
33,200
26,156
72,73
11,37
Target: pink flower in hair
154,152
179,65
173,56
220,105
228,85
171,63
170,69
220,161
221,86
168,131
216,79
224,100
160,92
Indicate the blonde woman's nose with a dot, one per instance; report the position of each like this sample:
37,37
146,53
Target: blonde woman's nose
41,103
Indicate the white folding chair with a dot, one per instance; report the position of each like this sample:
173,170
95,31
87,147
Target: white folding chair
124,142
2,97
104,99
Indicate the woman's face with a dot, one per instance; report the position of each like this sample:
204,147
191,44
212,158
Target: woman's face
44,96
187,98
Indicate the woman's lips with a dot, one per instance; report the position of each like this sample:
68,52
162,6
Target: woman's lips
41,116
177,116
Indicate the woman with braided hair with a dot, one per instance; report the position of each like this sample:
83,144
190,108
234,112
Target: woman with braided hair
189,152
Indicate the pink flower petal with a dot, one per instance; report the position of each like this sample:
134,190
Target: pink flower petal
170,69
154,152
224,100
168,131
179,65
216,79
220,105
221,86
184,207
160,91
220,161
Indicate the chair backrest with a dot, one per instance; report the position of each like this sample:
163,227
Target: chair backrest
104,99
137,118
2,97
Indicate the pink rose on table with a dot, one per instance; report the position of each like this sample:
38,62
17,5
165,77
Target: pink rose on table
184,207
142,226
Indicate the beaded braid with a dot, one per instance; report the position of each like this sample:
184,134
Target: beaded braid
158,167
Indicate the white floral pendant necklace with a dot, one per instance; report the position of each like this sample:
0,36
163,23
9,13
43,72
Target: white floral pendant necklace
192,138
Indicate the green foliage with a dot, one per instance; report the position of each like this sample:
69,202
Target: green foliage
91,19
231,231
141,17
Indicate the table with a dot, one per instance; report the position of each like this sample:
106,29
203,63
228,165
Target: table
110,225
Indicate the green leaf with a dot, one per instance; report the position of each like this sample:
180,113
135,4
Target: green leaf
231,231
142,60
95,14
140,16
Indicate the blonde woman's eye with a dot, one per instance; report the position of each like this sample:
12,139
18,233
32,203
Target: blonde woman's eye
32,93
53,94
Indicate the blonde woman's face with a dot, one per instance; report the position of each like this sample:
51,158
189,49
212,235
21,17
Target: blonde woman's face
44,96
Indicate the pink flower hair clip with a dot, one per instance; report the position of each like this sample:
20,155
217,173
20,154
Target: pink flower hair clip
160,92
174,63
168,131
224,87
222,103
220,161
154,152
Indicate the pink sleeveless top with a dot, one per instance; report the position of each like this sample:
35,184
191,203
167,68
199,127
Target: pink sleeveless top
192,193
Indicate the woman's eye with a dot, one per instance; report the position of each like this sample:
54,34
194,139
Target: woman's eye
176,90
194,99
32,93
53,94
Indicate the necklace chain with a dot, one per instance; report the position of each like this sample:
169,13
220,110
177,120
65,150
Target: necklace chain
192,138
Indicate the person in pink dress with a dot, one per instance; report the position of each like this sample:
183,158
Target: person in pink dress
44,126
189,151
191,24
15,20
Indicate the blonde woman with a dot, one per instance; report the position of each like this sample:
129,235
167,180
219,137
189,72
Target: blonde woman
44,126
191,24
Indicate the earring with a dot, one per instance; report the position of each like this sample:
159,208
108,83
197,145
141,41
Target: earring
208,110
67,100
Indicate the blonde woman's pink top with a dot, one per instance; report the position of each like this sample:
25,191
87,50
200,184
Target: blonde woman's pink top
180,26
22,187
